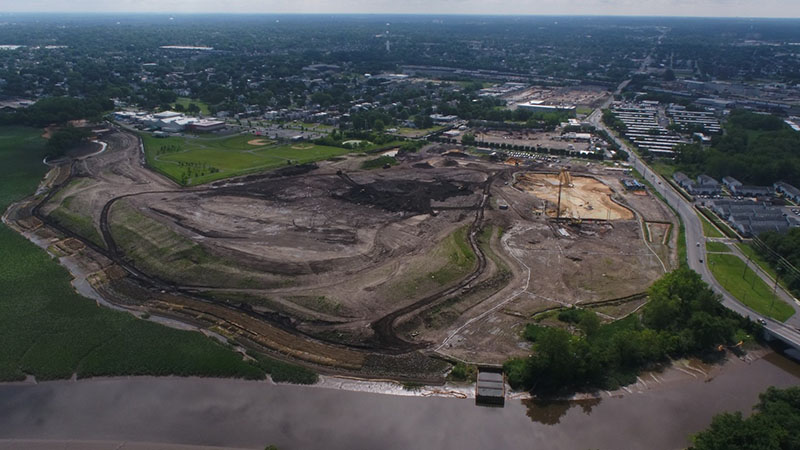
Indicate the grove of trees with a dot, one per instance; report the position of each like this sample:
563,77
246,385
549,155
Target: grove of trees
683,316
756,149
773,425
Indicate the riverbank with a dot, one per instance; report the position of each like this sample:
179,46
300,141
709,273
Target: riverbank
252,414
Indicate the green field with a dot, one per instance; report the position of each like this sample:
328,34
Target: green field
49,331
308,126
191,160
726,230
184,101
756,257
414,132
747,287
717,247
709,230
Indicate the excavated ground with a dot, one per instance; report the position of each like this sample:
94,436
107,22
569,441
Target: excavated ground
350,270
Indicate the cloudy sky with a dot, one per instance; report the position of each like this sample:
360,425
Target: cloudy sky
726,8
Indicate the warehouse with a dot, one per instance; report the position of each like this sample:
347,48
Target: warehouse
541,106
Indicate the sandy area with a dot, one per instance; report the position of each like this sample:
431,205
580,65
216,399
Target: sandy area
585,198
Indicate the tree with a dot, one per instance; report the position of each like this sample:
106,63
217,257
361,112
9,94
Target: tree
773,425
65,139
193,109
468,139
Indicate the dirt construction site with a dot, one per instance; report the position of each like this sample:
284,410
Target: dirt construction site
373,273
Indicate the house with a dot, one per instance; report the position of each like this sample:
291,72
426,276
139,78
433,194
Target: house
706,186
751,218
788,191
754,191
731,183
683,181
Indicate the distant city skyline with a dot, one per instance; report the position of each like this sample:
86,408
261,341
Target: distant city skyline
698,8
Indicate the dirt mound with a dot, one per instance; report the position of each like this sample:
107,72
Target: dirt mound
298,169
422,165
404,195
450,162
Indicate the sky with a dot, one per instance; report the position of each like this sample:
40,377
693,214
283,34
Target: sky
708,8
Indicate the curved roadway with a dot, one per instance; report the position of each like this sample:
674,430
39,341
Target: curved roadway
696,255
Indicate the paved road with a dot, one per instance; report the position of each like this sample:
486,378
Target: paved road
696,255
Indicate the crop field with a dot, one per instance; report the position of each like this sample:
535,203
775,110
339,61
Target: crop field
194,160
749,289
50,331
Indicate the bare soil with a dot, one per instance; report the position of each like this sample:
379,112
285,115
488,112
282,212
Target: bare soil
345,270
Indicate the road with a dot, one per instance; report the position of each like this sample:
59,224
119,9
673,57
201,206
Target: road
696,255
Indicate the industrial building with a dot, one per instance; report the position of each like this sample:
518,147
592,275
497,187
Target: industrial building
541,106
169,121
207,126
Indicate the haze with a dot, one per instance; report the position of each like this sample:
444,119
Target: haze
711,8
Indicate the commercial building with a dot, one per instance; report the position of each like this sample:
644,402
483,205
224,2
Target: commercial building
541,106
206,126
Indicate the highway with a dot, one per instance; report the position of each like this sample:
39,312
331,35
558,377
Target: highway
696,254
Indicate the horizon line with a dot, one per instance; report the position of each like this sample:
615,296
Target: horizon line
448,14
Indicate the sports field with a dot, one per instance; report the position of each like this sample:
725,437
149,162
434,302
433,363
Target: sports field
191,160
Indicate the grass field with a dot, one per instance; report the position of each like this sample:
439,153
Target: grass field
184,101
747,287
191,160
49,331
718,247
709,230
726,230
452,259
415,132
755,257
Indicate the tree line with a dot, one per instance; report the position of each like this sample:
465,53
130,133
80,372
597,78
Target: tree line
683,317
757,149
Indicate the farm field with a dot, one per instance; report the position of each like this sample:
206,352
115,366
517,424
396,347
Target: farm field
749,289
50,331
190,160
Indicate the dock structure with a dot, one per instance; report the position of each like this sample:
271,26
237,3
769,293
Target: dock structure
490,388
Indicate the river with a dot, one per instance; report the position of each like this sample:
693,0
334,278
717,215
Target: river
250,414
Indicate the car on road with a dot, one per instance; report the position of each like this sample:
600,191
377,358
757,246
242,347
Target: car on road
762,321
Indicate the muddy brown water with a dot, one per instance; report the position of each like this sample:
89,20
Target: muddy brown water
252,414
